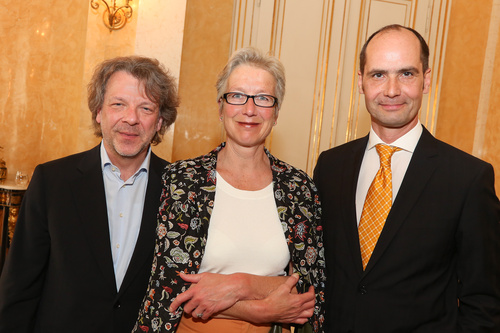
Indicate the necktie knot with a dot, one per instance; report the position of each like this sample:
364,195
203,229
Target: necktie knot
385,153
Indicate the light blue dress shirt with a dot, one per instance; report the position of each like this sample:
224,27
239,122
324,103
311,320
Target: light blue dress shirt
125,203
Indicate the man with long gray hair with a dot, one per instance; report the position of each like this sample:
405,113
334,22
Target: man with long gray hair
81,255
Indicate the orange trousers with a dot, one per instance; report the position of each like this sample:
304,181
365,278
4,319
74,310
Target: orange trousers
188,324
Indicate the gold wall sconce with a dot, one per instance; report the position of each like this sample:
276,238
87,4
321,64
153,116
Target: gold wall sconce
115,16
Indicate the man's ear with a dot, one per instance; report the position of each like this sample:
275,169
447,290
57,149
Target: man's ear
360,82
98,116
158,126
427,80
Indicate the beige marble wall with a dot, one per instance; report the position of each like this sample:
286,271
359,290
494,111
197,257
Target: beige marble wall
491,143
48,55
463,66
42,53
204,53
49,50
469,107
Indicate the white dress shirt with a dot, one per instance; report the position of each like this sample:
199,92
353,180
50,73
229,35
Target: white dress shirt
125,203
399,164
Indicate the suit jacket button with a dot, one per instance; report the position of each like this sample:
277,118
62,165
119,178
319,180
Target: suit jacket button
117,305
362,290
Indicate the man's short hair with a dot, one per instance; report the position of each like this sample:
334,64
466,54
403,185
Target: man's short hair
424,48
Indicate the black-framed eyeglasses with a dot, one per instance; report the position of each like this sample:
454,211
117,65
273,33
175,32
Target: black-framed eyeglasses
262,100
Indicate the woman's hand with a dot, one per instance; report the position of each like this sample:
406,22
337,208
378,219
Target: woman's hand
256,299
210,293
284,305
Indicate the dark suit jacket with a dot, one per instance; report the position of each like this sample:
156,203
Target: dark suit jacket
59,273
440,243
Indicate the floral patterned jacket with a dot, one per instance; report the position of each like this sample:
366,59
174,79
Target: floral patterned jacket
186,205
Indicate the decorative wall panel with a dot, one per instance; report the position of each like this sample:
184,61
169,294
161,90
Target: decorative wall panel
319,43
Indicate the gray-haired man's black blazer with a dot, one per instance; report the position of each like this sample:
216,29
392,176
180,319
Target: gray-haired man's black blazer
59,273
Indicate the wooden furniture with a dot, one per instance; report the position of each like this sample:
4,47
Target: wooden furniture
11,195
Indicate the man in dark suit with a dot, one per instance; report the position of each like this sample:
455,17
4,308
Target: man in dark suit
82,250
435,265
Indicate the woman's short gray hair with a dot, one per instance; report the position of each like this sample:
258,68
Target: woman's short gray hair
253,57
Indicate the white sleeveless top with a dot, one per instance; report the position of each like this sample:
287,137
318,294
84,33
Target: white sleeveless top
245,234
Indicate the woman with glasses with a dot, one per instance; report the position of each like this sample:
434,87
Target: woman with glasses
239,242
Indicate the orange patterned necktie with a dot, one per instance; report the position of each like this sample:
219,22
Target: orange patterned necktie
377,205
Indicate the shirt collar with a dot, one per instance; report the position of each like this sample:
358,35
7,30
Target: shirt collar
105,161
407,142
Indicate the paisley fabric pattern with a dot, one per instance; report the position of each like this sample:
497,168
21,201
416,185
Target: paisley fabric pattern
186,205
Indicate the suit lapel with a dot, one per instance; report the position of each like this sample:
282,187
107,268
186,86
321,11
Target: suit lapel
350,173
90,203
144,248
422,165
